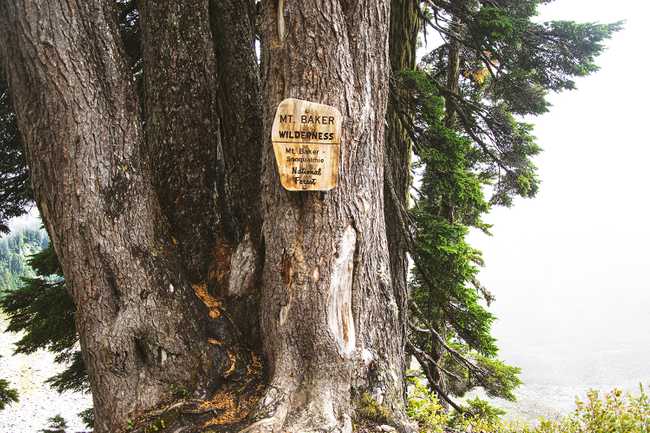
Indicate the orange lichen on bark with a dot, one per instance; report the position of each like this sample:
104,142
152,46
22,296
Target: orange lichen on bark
236,403
213,304
219,270
233,408
233,364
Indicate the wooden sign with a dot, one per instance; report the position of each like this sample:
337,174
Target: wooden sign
306,140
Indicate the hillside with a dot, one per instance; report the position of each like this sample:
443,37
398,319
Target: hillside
15,250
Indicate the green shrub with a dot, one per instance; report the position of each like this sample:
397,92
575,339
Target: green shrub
613,412
368,408
424,408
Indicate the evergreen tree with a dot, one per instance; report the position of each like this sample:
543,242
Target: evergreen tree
42,311
8,395
15,250
494,65
15,190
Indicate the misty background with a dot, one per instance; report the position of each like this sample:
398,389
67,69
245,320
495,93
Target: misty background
569,268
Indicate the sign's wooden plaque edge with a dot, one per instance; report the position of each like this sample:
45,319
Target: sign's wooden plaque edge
307,149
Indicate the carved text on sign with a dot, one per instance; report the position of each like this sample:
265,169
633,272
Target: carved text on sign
306,140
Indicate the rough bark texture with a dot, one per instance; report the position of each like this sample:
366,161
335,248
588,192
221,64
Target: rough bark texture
182,123
328,309
239,106
233,28
404,28
184,142
77,111
142,220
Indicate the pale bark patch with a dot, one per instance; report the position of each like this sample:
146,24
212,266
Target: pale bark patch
242,268
339,310
284,314
315,275
281,20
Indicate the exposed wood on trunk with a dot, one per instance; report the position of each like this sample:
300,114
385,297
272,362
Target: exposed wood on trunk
339,307
137,317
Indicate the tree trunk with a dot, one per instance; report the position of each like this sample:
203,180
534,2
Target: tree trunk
328,309
139,322
144,215
181,123
404,29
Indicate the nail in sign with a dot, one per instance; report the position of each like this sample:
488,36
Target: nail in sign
307,142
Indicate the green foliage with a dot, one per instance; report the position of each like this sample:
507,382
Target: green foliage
179,392
57,424
473,151
612,412
369,409
15,188
508,64
497,378
88,417
444,284
15,250
8,395
155,426
477,413
43,312
424,408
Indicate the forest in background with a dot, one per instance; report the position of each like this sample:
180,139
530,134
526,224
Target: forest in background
16,249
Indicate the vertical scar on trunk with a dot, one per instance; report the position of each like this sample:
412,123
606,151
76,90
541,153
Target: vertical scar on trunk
280,19
287,277
339,309
242,268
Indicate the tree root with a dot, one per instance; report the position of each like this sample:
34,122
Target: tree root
253,407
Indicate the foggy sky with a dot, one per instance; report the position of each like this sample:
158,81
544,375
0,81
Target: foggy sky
570,267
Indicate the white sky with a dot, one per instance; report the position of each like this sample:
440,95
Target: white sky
570,267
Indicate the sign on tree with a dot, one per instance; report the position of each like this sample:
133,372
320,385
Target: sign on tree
307,142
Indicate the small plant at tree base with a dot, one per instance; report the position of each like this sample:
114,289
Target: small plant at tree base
369,409
179,391
88,417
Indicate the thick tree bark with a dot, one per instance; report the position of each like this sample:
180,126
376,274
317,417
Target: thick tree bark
233,28
328,309
219,245
404,29
137,318
181,119
135,223
239,107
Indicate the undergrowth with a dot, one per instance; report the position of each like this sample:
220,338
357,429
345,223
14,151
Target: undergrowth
612,412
